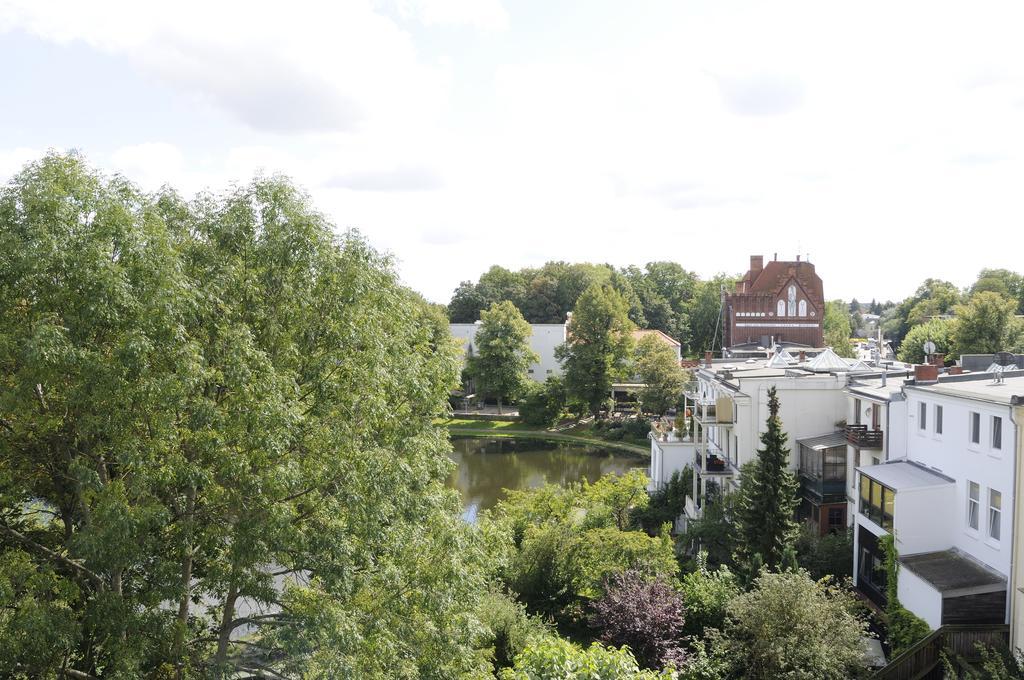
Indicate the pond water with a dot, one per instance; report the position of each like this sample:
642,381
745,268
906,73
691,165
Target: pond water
485,467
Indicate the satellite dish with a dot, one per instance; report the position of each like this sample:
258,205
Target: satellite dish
929,347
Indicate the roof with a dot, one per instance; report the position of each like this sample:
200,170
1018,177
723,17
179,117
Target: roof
873,389
980,387
824,441
902,475
775,274
953,572
640,333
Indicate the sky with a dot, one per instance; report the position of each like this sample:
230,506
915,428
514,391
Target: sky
883,141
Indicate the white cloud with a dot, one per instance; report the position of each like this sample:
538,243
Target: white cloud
304,66
482,14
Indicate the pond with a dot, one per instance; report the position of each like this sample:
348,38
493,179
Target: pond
485,467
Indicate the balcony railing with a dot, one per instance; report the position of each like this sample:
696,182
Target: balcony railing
712,464
860,435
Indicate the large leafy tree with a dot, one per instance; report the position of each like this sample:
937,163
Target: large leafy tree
503,355
766,506
597,350
704,315
983,325
836,327
938,331
216,442
1004,282
790,626
657,367
644,614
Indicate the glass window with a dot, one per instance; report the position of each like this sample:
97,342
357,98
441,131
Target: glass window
922,416
975,428
877,502
973,504
938,419
856,411
995,514
835,465
780,309
997,432
803,308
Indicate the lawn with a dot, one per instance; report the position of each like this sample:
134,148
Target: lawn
582,433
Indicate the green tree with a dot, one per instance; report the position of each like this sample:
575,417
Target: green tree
503,354
933,298
657,367
704,313
790,626
553,657
836,327
216,417
542,405
1004,282
597,350
983,325
706,596
766,507
938,331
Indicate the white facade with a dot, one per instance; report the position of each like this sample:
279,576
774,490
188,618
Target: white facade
545,337
810,404
961,445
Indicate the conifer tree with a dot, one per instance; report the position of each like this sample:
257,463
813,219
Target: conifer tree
768,496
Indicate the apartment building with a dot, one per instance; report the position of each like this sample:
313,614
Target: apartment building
728,406
948,500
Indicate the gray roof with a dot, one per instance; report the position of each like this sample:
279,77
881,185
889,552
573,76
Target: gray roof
979,386
873,389
952,572
902,475
824,441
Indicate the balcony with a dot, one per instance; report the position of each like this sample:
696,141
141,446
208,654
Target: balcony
860,436
711,464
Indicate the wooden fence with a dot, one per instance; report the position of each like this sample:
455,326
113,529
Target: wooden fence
923,661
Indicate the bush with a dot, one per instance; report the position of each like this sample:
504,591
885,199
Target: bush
666,503
509,628
829,555
706,595
542,405
644,614
637,427
553,657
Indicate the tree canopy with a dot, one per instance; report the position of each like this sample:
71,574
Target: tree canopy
836,327
597,350
216,421
657,367
503,355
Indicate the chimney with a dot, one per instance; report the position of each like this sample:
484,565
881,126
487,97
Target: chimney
797,258
707,358
803,356
775,256
926,373
756,264
885,376
955,370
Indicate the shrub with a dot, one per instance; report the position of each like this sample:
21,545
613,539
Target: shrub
509,628
644,614
706,595
542,405
829,555
666,503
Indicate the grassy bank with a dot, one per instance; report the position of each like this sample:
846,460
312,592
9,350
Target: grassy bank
580,434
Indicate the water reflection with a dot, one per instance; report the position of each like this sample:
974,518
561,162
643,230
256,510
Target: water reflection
485,467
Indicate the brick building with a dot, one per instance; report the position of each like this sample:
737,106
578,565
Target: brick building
779,300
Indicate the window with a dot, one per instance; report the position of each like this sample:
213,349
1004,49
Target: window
973,504
975,427
997,432
995,514
938,419
836,519
877,502
780,309
856,411
922,416
792,300
803,308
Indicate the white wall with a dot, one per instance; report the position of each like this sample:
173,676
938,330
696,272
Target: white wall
952,453
920,597
922,519
543,340
667,458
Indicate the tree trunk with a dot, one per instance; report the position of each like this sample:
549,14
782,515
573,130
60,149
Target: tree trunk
499,406
186,585
224,635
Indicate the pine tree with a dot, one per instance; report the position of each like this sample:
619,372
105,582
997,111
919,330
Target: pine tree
768,496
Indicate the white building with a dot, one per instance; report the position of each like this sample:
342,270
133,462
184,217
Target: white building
948,502
729,406
543,340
